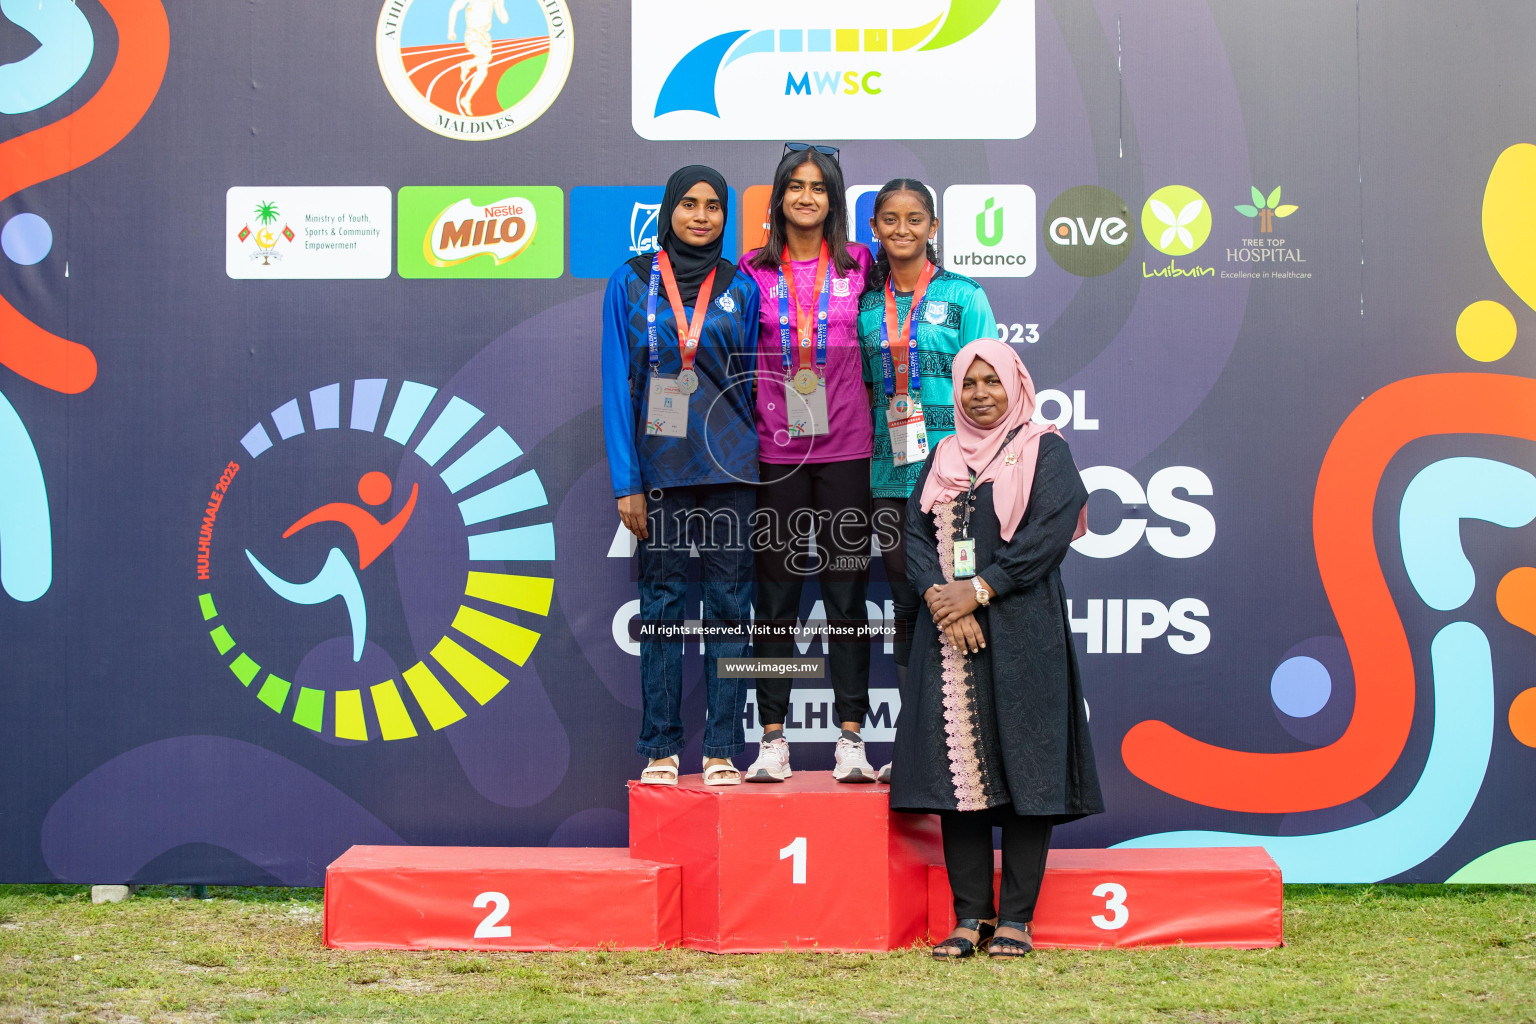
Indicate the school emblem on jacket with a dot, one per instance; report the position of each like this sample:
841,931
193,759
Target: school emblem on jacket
726,303
840,287
936,312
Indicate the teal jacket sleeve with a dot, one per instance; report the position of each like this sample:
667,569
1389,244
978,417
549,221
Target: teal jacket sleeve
619,413
977,321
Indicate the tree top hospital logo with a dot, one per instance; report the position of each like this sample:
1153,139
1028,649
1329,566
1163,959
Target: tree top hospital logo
474,69
301,603
858,69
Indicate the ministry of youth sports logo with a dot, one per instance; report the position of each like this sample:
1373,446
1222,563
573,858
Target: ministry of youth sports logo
474,69
298,587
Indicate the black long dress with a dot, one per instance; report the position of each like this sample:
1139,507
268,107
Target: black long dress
1006,725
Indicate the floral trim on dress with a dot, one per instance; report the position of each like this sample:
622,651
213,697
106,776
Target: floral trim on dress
959,701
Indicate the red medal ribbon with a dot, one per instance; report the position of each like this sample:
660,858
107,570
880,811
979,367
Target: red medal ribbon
803,320
687,344
901,338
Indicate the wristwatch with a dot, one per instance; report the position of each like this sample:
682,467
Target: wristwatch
982,597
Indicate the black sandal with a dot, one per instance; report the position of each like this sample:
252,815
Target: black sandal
1003,947
966,947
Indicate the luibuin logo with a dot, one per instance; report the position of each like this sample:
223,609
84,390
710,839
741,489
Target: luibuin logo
829,75
474,69
1266,209
1088,231
993,235
480,232
310,615
612,224
1176,220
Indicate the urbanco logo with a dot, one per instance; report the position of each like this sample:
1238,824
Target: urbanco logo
474,69
611,224
485,231
297,596
1088,231
858,69
989,230
1176,220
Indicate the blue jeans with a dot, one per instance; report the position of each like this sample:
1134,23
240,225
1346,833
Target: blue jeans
717,518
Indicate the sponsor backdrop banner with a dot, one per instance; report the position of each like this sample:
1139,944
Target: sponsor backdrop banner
306,536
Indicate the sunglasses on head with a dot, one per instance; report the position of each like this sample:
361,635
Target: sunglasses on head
801,147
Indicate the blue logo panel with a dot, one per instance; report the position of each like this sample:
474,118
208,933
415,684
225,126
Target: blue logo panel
611,224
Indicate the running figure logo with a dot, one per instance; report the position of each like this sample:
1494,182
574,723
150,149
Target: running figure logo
337,578
477,40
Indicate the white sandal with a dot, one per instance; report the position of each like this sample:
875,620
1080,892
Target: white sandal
661,771
721,774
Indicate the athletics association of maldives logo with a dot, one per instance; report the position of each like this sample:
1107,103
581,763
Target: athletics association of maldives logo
698,74
474,69
298,600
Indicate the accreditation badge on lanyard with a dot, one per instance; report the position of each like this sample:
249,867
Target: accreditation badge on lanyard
805,372
903,379
666,407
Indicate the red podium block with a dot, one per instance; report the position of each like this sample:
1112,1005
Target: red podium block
804,864
466,897
1212,896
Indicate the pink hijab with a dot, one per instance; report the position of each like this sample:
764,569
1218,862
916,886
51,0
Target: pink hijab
1011,473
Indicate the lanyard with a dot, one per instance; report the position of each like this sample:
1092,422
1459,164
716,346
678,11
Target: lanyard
901,370
965,516
787,297
688,344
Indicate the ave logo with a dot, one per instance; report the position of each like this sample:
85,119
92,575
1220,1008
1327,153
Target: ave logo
989,230
1088,231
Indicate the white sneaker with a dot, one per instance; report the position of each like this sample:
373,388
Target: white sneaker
852,765
772,764
885,773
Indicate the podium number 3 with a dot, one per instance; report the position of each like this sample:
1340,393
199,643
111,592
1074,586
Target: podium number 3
796,852
1113,894
491,927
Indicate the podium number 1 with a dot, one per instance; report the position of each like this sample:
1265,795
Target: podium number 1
1113,895
491,927
795,851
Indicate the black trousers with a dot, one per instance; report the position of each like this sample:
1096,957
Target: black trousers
891,520
968,859
830,501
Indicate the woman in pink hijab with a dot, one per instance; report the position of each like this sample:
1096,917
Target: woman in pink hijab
993,729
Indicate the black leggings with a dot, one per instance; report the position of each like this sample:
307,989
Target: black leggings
891,521
831,499
968,859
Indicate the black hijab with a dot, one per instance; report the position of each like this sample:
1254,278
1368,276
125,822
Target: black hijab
690,263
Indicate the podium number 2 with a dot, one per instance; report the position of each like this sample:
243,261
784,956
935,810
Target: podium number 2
491,927
1113,894
796,852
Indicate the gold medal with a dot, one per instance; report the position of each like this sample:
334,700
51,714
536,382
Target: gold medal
805,382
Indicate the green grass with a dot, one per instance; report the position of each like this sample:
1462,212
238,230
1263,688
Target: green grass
1353,953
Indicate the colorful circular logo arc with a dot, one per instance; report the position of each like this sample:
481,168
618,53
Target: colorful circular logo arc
438,684
1176,220
474,69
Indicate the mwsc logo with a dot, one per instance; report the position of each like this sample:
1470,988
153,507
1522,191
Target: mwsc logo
842,72
474,69
1088,231
296,593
